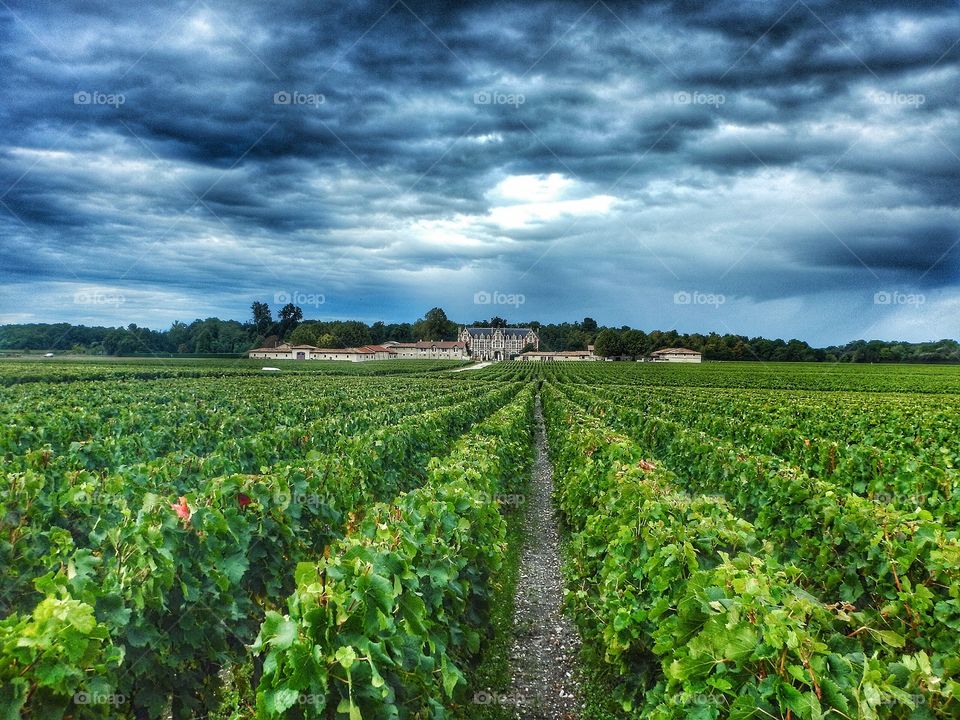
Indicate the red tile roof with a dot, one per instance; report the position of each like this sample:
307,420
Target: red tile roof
368,349
449,344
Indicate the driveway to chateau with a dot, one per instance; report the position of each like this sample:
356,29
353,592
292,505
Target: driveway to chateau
472,367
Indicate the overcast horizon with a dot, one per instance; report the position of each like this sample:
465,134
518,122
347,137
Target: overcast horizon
784,169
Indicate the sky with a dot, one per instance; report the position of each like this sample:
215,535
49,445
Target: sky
787,169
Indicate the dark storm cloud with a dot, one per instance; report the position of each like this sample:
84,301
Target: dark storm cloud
788,150
924,250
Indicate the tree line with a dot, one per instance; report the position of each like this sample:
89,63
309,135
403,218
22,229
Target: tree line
230,337
630,343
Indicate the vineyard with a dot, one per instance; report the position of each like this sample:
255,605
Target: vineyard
13,372
740,540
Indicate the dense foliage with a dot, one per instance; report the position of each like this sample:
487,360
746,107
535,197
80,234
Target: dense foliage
149,528
757,552
213,336
381,627
745,540
52,370
688,602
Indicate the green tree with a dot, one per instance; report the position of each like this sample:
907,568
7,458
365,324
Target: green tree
608,344
305,334
203,343
634,343
578,340
262,318
351,334
435,326
178,335
290,316
401,332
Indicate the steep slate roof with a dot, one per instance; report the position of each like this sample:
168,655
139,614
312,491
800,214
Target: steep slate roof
477,331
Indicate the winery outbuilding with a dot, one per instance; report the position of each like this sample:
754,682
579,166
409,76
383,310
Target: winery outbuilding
677,355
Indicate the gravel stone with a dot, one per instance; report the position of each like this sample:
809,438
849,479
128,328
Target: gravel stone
543,655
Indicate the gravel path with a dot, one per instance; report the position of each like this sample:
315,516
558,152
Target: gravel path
545,646
478,366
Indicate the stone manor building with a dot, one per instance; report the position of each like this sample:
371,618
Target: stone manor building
497,343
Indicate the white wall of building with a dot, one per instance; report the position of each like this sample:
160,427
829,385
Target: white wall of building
678,357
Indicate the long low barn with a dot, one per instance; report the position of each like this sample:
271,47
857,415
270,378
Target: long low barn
684,355
561,356
422,350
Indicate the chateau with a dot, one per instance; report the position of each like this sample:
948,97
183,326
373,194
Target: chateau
498,343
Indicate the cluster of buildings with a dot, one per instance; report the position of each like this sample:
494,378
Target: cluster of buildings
488,344
681,355
484,344
423,350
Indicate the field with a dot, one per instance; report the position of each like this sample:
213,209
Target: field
336,540
13,372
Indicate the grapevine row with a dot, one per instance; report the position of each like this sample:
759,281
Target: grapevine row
179,589
685,601
900,572
907,473
383,625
